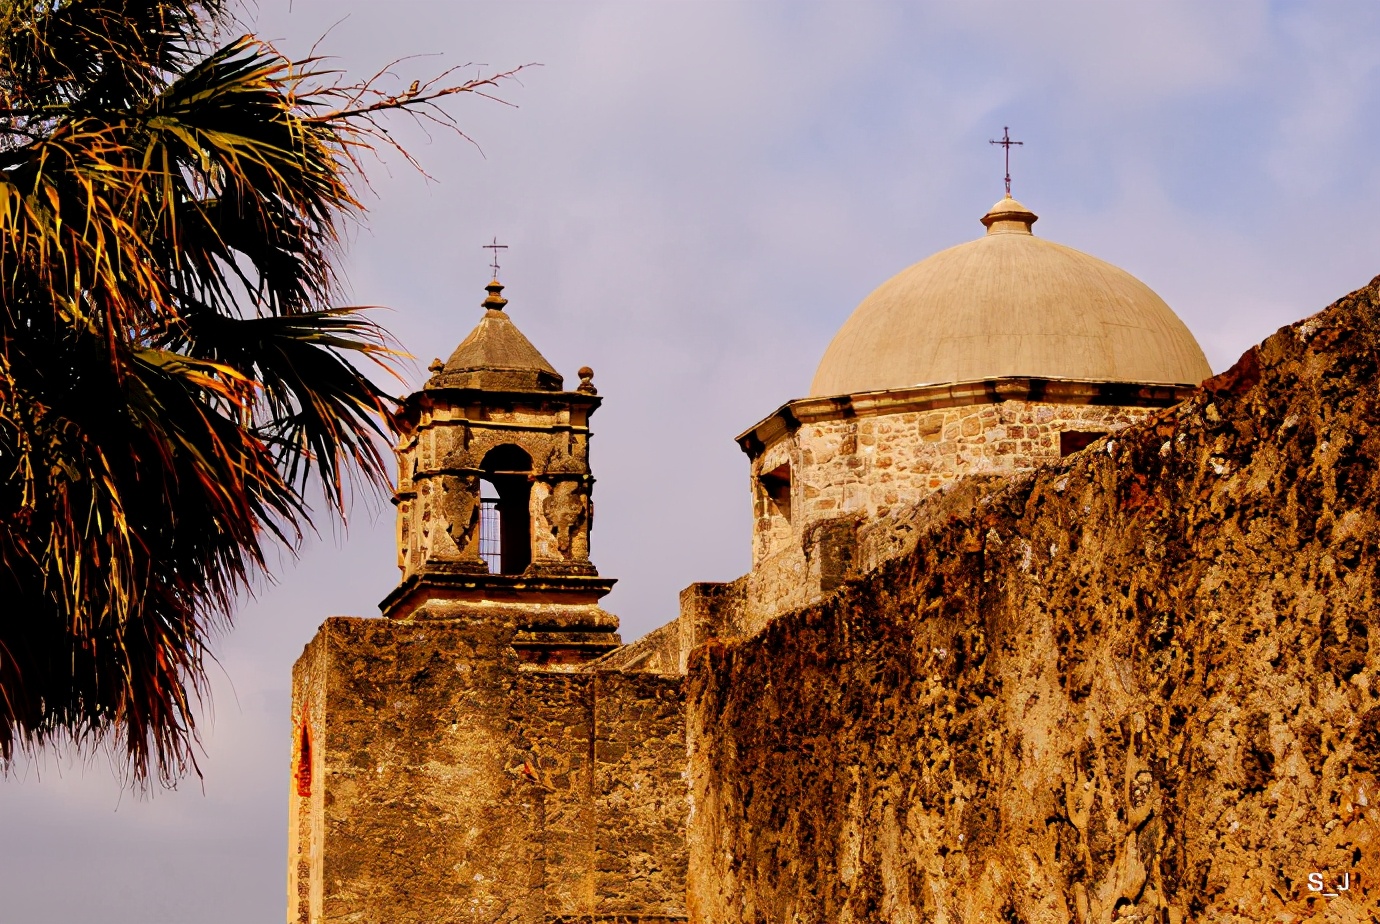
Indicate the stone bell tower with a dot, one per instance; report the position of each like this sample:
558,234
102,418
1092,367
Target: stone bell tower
494,497
471,757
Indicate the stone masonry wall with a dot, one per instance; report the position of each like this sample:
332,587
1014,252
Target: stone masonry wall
657,652
1137,685
458,786
867,468
871,466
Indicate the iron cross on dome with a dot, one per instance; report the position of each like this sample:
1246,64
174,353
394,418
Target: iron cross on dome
1006,143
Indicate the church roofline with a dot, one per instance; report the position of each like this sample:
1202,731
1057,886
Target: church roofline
790,416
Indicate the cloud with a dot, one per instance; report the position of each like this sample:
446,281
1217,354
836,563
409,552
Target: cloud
1124,55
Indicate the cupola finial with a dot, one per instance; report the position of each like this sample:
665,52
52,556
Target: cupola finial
1008,215
495,300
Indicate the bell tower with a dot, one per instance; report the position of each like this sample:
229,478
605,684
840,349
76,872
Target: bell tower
473,755
494,497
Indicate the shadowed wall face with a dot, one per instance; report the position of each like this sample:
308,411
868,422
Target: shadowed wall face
1135,685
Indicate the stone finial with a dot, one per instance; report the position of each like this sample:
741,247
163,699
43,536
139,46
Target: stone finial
495,301
586,386
436,366
1009,215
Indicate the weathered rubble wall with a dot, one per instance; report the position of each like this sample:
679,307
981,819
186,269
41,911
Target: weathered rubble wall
1135,686
455,785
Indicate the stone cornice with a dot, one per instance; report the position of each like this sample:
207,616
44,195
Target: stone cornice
426,399
467,582
786,419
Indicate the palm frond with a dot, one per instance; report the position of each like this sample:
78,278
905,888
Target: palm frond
173,376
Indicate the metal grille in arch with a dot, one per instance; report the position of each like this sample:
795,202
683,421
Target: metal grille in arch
490,535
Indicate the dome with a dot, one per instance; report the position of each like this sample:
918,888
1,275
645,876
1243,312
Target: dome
1009,304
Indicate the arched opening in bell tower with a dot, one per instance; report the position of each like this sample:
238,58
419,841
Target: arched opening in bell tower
505,520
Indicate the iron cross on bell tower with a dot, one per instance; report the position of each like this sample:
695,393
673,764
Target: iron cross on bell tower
1006,143
495,247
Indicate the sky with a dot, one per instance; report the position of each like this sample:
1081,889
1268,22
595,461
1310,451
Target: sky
695,196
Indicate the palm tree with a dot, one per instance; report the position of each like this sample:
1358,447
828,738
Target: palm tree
173,376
